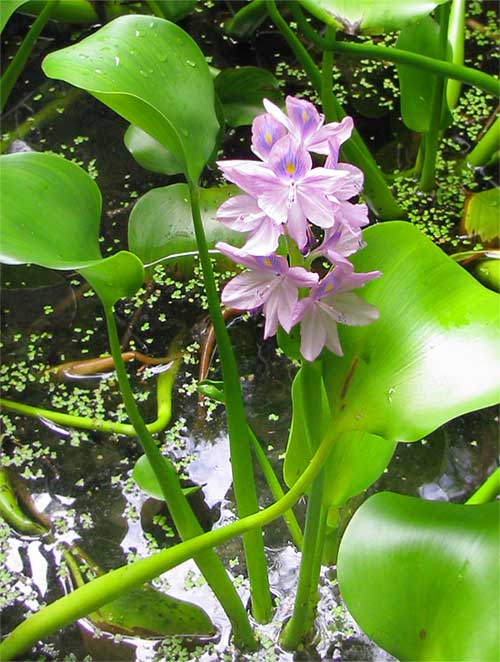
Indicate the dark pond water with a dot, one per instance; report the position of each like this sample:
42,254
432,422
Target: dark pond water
81,480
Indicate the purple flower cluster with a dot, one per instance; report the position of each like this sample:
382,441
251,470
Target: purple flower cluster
284,196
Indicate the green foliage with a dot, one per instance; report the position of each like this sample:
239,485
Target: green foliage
7,8
149,153
241,92
70,11
175,10
421,578
417,86
153,74
370,16
481,214
432,354
161,223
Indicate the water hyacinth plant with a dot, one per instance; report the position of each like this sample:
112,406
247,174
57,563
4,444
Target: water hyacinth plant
388,337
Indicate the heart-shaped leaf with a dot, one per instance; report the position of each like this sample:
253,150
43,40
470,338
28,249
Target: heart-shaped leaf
145,477
370,16
417,86
241,92
51,211
161,222
357,458
153,74
481,214
149,153
421,578
434,352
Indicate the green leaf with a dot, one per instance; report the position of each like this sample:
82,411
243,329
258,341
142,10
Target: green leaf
161,224
175,10
370,16
488,273
7,8
416,86
246,20
481,214
421,578
42,224
153,74
149,153
51,211
357,459
115,277
434,352
145,478
241,92
70,11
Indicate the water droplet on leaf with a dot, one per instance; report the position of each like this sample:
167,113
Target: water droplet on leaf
191,63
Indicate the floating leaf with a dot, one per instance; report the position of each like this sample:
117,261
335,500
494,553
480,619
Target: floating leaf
434,352
417,86
41,224
241,92
161,223
357,459
70,11
149,153
421,578
370,16
153,74
481,214
145,477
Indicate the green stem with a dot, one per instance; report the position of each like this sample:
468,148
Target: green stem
276,490
456,34
164,411
485,148
488,490
239,441
155,9
306,597
17,64
467,75
428,173
376,189
184,519
108,587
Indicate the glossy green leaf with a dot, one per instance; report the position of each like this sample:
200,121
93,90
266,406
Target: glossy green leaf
70,11
370,16
247,19
421,578
153,74
434,352
357,459
416,86
51,212
241,92
145,478
42,223
481,214
149,153
7,8
175,10
11,512
488,273
114,277
161,223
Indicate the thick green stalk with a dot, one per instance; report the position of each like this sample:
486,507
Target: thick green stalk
376,189
108,587
164,411
428,174
488,490
185,520
276,490
485,148
306,598
456,34
239,441
17,64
